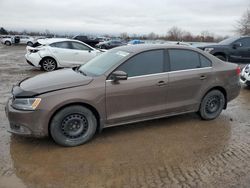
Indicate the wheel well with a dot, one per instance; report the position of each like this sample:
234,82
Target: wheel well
221,89
93,110
40,63
220,53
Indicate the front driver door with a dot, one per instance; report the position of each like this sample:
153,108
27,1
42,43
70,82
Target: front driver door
82,53
143,95
244,50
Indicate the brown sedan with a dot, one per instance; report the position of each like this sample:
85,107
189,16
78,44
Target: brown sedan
124,85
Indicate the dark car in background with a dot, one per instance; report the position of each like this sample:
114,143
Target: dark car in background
124,85
90,41
234,49
110,44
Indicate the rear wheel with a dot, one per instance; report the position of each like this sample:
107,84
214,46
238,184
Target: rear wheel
8,43
48,64
212,105
73,125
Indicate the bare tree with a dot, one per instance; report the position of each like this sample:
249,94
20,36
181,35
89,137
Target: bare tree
175,34
206,36
152,36
124,36
187,36
243,25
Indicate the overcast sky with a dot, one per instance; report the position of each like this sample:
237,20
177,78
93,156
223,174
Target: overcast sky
116,16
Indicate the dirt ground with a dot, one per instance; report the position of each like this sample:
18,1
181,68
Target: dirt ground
181,151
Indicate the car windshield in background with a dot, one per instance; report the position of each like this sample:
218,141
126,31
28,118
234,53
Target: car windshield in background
228,41
103,62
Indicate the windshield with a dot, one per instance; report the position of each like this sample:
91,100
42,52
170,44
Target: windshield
228,41
102,63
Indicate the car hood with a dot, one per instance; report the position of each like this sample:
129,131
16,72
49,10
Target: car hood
48,82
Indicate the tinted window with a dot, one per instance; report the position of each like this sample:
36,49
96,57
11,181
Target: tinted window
61,45
79,46
183,59
245,42
205,62
150,62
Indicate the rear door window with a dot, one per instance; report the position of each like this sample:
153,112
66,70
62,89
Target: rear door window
245,42
183,59
65,45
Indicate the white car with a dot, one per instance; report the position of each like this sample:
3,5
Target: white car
50,54
26,40
18,39
245,75
7,40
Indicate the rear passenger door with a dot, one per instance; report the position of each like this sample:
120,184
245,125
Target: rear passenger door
190,72
143,94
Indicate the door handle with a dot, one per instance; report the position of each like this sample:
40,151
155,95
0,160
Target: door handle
203,77
161,83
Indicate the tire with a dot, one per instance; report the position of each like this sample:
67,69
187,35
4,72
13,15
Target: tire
221,57
7,43
73,126
29,43
212,105
48,64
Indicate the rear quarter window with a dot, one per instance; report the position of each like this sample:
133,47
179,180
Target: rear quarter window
205,62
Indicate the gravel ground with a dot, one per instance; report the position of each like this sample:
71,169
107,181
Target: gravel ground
181,151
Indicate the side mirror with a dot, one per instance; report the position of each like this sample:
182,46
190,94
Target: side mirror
119,75
237,45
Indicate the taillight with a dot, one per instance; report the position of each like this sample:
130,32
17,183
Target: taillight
238,71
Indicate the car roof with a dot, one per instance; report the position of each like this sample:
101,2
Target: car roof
145,47
53,40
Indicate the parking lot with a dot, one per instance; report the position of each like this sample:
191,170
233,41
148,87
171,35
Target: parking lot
181,151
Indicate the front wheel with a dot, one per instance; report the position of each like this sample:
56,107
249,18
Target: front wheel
48,64
73,125
221,57
212,105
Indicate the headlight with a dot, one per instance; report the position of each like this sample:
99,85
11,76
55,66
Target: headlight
208,49
247,69
26,104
